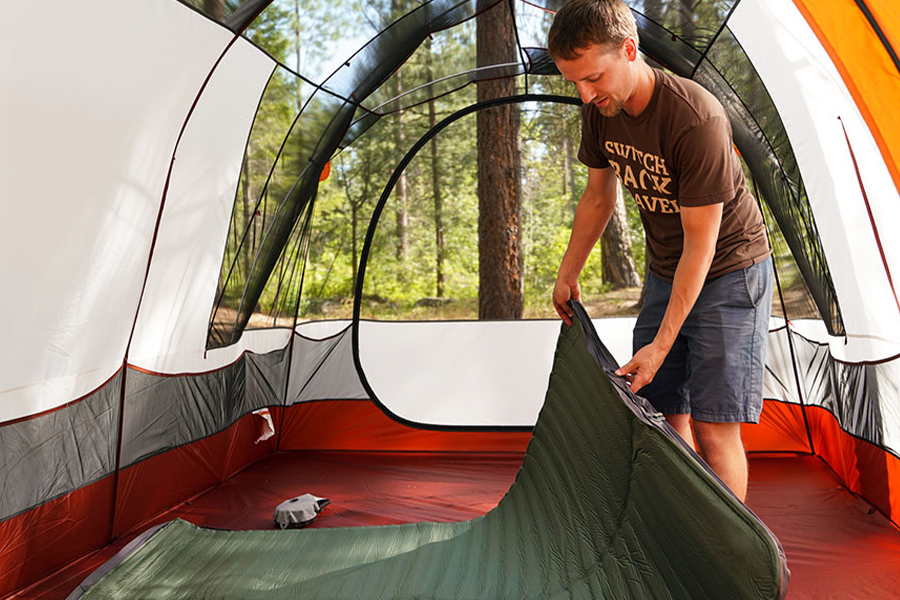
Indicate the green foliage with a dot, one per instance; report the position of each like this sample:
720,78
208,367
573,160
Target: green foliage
400,282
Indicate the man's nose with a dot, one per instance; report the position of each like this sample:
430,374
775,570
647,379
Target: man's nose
587,94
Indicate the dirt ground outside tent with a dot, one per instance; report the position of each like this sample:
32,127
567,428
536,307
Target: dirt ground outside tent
614,303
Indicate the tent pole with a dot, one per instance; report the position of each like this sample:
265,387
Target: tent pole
287,383
304,238
379,208
712,42
790,339
116,464
140,300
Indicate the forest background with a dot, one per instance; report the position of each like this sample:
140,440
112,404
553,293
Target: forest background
438,251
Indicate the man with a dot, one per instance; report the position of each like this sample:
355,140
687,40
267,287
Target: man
699,342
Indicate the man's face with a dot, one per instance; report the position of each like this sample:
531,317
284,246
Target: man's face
603,76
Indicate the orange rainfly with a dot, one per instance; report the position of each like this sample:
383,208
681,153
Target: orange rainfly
868,64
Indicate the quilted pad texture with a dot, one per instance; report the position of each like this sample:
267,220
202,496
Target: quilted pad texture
608,504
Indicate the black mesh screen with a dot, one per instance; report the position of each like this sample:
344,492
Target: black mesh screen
419,51
322,126
764,144
218,10
272,159
437,275
792,299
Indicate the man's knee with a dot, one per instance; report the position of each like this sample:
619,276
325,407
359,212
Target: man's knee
721,447
718,438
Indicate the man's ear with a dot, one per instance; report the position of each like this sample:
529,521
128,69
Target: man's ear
630,47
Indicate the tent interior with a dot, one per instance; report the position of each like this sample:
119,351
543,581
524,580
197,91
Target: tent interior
242,261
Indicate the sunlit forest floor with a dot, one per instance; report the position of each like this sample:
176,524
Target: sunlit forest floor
615,303
622,302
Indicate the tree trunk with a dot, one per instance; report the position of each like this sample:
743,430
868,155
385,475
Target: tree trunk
616,260
653,10
571,158
354,220
500,260
402,198
686,12
402,190
438,210
215,9
363,170
299,53
435,184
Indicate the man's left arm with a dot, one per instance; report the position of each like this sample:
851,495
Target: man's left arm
701,230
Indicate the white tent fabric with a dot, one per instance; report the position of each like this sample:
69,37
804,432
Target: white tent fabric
471,373
813,102
498,370
74,317
171,330
96,170
123,126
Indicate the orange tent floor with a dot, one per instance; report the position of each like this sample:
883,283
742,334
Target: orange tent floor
836,544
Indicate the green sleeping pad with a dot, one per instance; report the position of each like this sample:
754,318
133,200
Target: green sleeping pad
608,504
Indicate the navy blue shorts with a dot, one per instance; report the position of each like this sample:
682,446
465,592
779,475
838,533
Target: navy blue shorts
714,371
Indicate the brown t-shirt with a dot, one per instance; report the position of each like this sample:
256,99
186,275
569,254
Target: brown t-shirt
678,152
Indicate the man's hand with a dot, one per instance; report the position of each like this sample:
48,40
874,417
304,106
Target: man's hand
591,216
642,367
563,291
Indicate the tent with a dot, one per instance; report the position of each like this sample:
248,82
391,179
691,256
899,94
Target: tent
151,317
601,534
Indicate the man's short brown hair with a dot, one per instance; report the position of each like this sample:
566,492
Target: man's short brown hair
580,23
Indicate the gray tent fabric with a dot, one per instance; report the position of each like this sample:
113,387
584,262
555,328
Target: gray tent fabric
607,504
163,412
51,455
324,370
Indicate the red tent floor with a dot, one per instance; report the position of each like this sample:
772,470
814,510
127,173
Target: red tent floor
837,546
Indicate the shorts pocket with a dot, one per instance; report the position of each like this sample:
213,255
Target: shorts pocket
754,283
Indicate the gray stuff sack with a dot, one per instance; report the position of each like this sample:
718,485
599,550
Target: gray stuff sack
299,511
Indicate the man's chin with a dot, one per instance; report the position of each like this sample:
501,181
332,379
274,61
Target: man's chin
610,108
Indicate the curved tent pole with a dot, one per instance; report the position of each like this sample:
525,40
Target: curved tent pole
523,56
434,13
370,237
865,197
873,22
245,14
790,339
137,312
712,41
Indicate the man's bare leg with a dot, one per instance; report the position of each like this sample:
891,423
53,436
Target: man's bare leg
721,447
682,424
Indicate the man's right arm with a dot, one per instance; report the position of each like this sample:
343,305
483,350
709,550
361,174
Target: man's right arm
591,217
